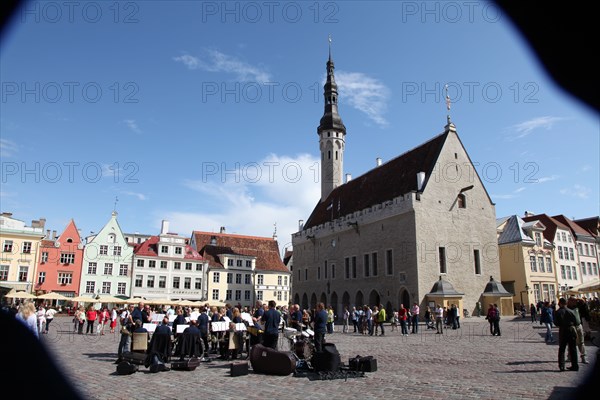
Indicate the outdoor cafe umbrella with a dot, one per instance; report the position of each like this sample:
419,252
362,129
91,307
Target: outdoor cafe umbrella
160,301
105,299
83,299
53,296
20,295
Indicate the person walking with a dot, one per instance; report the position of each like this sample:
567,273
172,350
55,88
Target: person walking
579,341
497,321
439,319
415,310
547,318
565,319
49,317
381,318
403,316
491,316
533,312
346,318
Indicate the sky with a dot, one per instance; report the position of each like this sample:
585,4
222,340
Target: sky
205,113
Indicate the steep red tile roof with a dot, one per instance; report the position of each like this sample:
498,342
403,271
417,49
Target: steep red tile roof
266,250
574,228
287,256
149,248
550,223
388,181
592,224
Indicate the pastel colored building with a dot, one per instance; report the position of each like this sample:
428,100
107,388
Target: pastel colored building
60,261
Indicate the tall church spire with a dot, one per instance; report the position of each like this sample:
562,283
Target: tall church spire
332,135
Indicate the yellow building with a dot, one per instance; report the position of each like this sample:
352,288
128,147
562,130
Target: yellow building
242,269
20,252
527,264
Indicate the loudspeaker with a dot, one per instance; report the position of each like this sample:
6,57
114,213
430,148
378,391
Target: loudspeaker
326,360
239,369
265,360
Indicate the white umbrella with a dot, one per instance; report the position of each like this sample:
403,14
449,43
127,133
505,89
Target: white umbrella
20,295
105,299
53,296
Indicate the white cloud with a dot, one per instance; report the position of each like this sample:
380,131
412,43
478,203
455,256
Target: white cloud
578,191
8,148
215,61
548,178
527,127
519,190
277,189
503,196
132,125
364,93
140,196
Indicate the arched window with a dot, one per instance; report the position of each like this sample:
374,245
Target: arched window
462,201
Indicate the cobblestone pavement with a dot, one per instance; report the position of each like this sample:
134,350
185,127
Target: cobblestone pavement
460,364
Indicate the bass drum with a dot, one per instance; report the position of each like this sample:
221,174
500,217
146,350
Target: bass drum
303,349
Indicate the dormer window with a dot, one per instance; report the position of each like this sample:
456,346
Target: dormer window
538,238
230,262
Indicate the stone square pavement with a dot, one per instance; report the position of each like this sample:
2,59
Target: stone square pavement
460,364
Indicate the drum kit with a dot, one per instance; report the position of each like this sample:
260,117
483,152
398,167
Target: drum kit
300,342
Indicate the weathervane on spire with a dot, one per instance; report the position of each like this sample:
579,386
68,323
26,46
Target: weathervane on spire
447,102
329,39
115,206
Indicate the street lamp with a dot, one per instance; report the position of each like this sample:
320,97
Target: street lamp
524,291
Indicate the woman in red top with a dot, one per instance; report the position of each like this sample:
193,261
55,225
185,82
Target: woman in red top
91,316
103,320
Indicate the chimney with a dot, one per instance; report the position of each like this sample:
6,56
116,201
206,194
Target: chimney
300,224
222,230
213,240
47,234
348,177
420,181
529,213
378,161
7,214
164,229
54,235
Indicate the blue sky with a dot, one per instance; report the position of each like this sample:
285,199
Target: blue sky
205,113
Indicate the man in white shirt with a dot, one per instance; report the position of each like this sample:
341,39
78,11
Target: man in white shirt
49,317
439,319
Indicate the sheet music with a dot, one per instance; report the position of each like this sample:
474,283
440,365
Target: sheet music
194,316
247,317
150,327
181,328
226,319
219,326
240,327
172,318
157,317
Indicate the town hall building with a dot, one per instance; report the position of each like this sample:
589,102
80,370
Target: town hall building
418,228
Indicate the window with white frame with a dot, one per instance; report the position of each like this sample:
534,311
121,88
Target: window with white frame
105,287
188,266
238,295
108,268
162,282
568,269
574,272
139,279
285,281
563,273
532,264
259,295
44,257
229,277
260,279
238,279
151,263
92,267
176,281
67,258
187,283
41,277
198,284
3,272
177,265
150,281
228,293
140,263
103,249
230,262
177,250
215,294
247,279
541,264
248,264
538,238
117,251
123,269
583,269
27,247
560,252
571,253
8,246
164,249
90,287
548,264
216,278
65,278
23,271
121,288
246,295
279,280
238,263
198,267
164,264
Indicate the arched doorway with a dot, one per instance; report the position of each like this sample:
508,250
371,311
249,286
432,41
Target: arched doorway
313,301
360,301
404,297
374,298
324,299
304,301
334,303
389,308
346,300
296,298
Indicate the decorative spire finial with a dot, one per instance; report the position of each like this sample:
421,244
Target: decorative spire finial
330,47
447,102
115,206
